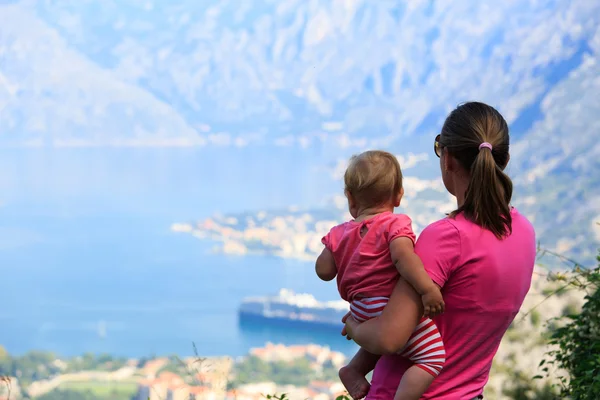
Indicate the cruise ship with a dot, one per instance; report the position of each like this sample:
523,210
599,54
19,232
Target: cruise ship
295,308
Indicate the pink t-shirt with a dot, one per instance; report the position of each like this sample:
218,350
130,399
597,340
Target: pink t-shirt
364,264
484,281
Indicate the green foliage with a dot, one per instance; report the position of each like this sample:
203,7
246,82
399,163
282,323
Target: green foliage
277,397
285,397
535,318
297,372
176,366
578,340
569,309
554,291
103,389
38,365
59,394
32,366
513,334
100,362
520,387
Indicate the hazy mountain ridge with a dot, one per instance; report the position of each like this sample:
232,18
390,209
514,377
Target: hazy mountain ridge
558,162
50,94
285,66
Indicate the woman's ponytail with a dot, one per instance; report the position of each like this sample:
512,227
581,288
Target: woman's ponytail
476,135
488,196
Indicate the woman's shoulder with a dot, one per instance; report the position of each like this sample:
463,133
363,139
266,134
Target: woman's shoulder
521,220
443,232
520,224
446,225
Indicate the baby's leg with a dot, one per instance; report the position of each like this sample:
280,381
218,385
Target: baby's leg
353,375
414,383
426,350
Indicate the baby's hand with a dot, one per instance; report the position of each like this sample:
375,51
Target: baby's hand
433,303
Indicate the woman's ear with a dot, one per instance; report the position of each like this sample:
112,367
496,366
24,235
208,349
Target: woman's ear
448,161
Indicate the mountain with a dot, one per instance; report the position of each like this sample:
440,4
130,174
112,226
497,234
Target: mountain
287,66
52,94
558,183
334,76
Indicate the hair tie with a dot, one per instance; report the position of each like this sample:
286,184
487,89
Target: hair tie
486,145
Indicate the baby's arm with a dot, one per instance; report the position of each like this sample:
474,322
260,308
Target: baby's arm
325,265
409,265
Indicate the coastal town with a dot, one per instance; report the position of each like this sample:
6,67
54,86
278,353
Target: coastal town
210,377
296,233
196,378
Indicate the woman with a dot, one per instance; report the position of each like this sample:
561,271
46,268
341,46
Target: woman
482,257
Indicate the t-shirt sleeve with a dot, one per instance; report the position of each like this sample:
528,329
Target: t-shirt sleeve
326,240
400,225
439,248
331,239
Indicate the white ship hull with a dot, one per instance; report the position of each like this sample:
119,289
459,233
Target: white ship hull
289,307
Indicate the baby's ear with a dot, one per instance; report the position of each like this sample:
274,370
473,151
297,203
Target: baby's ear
350,198
399,197
349,195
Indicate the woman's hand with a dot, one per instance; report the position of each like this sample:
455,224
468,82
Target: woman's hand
349,324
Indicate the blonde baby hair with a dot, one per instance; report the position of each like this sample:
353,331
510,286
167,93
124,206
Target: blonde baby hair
373,178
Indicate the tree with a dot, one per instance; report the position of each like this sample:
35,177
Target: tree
521,388
578,341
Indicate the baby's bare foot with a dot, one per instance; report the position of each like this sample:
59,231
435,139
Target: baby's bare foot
355,383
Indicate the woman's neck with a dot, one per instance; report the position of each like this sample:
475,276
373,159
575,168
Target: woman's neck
460,199
461,184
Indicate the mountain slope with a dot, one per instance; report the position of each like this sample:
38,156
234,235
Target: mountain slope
559,162
51,94
383,68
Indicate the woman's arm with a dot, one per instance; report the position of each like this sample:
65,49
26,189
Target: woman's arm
388,333
411,268
439,248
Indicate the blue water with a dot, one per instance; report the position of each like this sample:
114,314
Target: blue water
78,260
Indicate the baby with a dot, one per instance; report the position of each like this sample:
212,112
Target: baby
369,253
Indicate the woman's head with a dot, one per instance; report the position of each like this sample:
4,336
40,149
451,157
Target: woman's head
373,180
473,149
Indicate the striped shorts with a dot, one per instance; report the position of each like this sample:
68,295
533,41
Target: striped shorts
424,347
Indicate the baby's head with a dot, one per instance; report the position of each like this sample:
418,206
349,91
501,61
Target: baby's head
373,182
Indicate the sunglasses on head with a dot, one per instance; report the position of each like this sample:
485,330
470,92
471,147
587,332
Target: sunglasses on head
437,146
